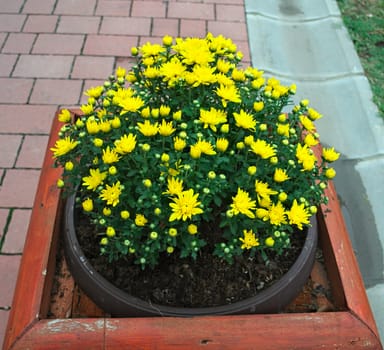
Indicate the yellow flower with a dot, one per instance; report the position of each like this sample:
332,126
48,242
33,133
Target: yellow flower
263,149
167,40
125,144
185,206
249,240
166,128
64,116
179,143
87,109
95,179
243,204
205,147
172,71
110,156
280,175
120,72
310,140
92,126
110,232
165,110
148,129
195,152
105,126
238,75
330,173
313,114
228,93
223,66
140,220
111,194
258,106
245,120
222,144
146,112
94,92
192,229
212,118
298,215
87,204
175,186
262,189
330,155
63,146
307,123
194,51
269,242
283,129
131,104
149,49
276,214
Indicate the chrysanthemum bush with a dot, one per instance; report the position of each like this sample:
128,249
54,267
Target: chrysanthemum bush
187,149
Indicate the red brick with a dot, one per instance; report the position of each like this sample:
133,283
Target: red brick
125,62
2,38
191,10
193,27
32,151
56,91
125,26
38,6
230,13
165,26
3,220
148,9
13,6
4,314
26,119
78,24
19,188
11,23
40,24
17,231
75,7
9,146
19,43
6,64
109,45
14,90
92,67
58,44
43,66
113,8
235,31
9,270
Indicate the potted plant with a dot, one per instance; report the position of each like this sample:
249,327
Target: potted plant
189,160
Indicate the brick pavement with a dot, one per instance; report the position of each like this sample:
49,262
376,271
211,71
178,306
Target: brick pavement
51,51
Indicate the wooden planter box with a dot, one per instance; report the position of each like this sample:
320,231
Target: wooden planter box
30,328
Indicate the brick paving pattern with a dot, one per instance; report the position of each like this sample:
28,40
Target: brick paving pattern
51,51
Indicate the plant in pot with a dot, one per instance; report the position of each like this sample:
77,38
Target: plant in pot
192,184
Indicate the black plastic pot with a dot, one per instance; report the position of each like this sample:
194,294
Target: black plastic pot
118,303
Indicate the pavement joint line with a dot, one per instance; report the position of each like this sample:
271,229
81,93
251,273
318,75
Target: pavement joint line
293,20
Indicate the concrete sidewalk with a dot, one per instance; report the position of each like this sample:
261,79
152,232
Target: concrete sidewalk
52,50
306,42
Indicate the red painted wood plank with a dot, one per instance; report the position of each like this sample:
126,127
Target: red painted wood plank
351,280
33,268
333,330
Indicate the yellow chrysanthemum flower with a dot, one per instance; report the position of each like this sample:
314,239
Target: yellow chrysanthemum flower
148,129
140,220
94,92
92,126
194,51
280,175
262,189
258,106
307,123
283,129
263,149
87,109
64,116
205,147
120,72
228,93
63,146
245,120
95,179
242,203
277,214
222,144
111,194
87,205
172,71
131,104
185,206
330,155
212,118
125,144
175,186
110,156
166,128
149,49
310,140
249,240
298,215
179,143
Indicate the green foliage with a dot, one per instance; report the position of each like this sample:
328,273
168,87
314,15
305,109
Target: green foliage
188,149
365,22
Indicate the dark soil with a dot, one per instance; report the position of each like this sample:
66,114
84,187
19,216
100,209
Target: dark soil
207,281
